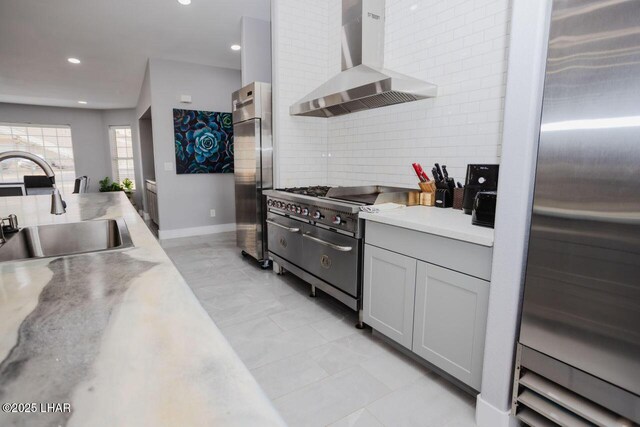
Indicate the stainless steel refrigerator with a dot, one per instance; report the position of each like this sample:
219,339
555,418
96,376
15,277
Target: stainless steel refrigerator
253,166
578,357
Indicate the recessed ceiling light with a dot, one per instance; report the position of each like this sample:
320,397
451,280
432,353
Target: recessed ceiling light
413,7
184,2
82,102
73,60
235,47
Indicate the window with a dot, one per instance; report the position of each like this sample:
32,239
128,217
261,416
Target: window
122,153
52,143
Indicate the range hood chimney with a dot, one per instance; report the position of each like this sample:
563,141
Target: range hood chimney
363,83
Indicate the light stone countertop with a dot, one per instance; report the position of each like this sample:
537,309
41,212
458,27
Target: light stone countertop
451,223
119,335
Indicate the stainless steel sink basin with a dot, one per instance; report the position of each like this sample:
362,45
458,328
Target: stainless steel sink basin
66,239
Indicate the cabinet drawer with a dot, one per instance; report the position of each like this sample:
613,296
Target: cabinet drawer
388,293
450,321
465,257
151,186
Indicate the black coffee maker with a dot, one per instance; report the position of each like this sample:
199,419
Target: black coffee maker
479,178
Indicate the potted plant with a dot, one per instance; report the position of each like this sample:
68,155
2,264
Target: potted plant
106,185
127,186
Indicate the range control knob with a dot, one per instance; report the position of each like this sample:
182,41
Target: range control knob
269,202
317,215
288,207
280,204
337,220
298,209
305,211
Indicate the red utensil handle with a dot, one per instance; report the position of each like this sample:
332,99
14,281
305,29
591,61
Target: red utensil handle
421,173
416,168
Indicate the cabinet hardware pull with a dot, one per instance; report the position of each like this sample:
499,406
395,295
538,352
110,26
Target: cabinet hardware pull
331,245
291,229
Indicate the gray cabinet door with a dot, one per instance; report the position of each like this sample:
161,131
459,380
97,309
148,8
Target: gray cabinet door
388,293
450,321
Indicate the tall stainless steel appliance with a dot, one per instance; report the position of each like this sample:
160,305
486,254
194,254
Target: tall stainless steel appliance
578,357
253,165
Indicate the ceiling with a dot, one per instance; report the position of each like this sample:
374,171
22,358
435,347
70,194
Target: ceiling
113,39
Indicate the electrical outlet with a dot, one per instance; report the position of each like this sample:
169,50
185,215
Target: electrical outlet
212,212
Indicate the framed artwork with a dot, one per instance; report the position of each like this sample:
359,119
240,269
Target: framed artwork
203,141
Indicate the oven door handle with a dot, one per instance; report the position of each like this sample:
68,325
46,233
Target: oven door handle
291,229
324,242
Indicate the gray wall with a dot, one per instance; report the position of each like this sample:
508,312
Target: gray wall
523,104
90,139
184,201
144,143
145,130
256,50
89,133
144,99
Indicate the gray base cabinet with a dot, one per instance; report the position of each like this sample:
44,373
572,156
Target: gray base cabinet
436,310
450,321
389,281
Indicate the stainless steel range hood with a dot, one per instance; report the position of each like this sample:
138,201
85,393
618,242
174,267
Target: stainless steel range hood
363,83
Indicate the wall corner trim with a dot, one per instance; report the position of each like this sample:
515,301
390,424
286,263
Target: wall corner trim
196,231
488,415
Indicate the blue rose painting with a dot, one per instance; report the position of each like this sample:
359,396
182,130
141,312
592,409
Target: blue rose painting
203,141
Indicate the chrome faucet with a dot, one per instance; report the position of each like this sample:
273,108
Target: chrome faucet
58,206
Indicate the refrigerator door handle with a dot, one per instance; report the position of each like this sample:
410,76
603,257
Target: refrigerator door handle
257,135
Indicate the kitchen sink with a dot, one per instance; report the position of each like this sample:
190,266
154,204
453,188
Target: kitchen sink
52,240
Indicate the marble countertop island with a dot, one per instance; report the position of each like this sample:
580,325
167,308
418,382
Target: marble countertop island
451,223
118,335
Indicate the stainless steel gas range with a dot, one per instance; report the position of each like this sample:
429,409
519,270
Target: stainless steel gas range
316,234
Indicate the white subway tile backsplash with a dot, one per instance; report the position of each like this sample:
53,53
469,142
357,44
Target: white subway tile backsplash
460,45
300,66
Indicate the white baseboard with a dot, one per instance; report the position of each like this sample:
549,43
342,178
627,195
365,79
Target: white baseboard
488,415
196,231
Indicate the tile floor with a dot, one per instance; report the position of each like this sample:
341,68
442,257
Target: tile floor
318,369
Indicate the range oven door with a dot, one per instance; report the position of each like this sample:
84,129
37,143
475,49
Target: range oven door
285,238
332,257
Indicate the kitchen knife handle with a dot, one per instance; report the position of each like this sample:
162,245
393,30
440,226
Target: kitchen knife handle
422,173
440,174
444,171
418,169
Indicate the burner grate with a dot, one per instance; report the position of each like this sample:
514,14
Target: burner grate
316,191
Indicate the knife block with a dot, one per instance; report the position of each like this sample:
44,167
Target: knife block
428,194
427,187
427,199
444,198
